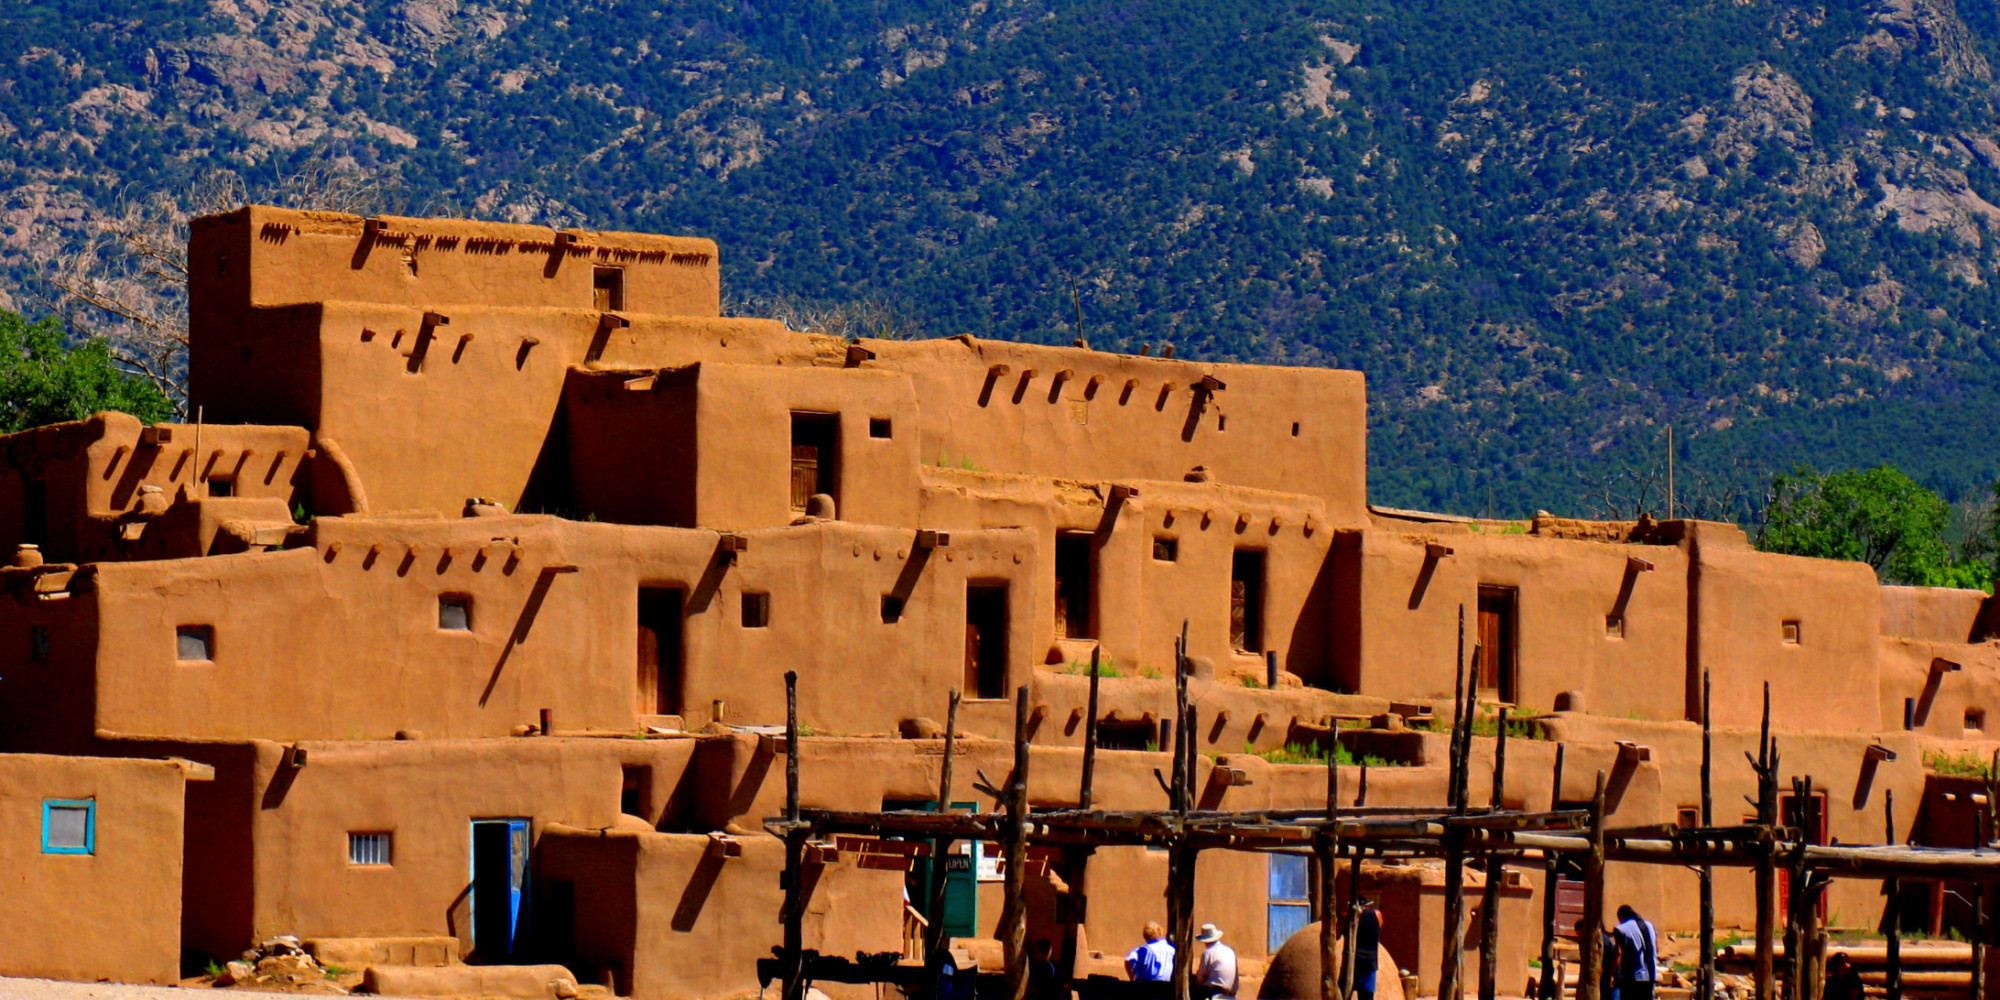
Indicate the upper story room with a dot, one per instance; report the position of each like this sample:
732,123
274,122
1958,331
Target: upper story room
434,360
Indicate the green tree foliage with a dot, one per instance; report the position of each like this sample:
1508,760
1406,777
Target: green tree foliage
44,380
1878,516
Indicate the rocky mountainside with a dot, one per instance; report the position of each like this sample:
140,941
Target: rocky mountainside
1547,231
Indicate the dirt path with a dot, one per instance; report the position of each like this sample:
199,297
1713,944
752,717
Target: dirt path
51,989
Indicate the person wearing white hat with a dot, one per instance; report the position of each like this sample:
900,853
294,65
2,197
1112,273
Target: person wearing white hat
1216,974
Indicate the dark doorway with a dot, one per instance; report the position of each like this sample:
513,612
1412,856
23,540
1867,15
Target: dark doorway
815,457
607,288
35,512
1497,629
1074,619
499,881
1246,601
986,640
659,691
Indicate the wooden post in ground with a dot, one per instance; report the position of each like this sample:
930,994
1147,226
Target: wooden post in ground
1767,875
1451,973
1181,858
1350,944
1982,835
1326,851
1892,921
1496,873
1551,984
1795,879
935,940
1089,736
1704,988
1014,908
1591,941
795,850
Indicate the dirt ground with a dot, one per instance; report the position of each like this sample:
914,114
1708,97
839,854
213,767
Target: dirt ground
50,989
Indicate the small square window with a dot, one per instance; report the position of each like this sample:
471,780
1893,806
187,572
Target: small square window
455,613
756,610
368,849
1789,632
1166,549
1975,719
69,826
1687,817
221,486
38,642
194,643
607,288
892,609
1614,626
878,427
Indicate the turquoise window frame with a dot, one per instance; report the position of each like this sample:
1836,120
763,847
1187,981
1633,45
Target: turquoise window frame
89,807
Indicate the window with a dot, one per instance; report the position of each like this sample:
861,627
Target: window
815,457
1975,719
368,848
455,613
1687,817
69,826
1289,899
1295,428
1788,631
38,642
1073,572
892,609
607,288
632,797
1246,601
756,610
35,512
194,643
1166,549
1614,626
221,486
878,427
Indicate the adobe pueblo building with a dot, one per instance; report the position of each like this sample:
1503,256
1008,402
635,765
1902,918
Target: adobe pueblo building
454,634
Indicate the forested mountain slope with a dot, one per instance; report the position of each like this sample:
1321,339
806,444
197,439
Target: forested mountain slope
1545,229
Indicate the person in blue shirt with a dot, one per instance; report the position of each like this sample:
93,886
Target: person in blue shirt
1152,962
1637,956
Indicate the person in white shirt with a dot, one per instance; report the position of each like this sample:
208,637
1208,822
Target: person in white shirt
1216,975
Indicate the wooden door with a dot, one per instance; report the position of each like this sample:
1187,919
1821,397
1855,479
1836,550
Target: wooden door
1496,641
659,652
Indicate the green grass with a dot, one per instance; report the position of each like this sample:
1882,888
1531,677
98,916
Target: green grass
1729,940
1958,765
945,461
333,971
1106,667
213,969
1301,753
1517,728
1251,682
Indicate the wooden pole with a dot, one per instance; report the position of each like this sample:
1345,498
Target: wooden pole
1014,908
1982,823
936,941
1767,875
1591,941
795,849
1089,736
1452,962
1326,847
1551,984
1704,988
1350,942
1496,873
1180,859
1892,921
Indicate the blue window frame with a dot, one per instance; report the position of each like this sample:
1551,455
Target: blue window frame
1290,899
69,826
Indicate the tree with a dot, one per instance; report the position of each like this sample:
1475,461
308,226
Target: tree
45,381
1879,516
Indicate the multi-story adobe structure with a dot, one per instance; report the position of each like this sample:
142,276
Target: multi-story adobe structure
456,482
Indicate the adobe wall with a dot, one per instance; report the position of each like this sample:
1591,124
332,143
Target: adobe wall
1398,635
1115,417
94,471
1206,523
1934,614
48,693
542,635
1952,688
114,913
1825,681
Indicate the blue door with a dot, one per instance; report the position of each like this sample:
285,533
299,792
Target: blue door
499,888
1290,900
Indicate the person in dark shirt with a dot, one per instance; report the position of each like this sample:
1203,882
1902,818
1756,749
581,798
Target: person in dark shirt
1043,981
1843,980
1607,965
1638,958
1367,939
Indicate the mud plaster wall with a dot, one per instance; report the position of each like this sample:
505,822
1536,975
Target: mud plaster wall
57,909
1934,614
541,637
1409,606
1950,687
49,702
1828,679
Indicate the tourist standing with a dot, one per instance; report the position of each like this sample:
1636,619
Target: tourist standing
1638,960
1216,975
1152,962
